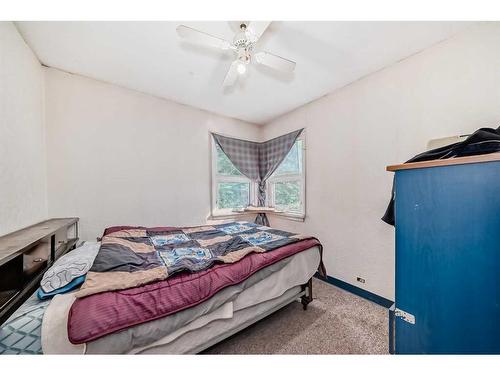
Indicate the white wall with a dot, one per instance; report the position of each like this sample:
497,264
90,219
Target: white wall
115,156
386,118
119,157
23,195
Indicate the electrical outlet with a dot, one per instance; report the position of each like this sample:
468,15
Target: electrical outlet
360,279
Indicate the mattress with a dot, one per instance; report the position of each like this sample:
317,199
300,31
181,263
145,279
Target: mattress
188,336
217,330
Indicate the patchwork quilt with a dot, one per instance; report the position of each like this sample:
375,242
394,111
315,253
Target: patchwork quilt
130,257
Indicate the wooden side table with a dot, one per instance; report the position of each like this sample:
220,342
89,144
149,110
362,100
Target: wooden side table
261,213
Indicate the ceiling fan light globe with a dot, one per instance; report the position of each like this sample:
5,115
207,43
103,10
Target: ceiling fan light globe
241,68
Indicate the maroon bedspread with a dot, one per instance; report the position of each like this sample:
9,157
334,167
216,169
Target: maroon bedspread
104,313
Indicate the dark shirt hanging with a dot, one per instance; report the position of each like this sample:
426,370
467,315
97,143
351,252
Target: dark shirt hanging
482,141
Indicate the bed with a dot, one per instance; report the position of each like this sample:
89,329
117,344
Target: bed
187,312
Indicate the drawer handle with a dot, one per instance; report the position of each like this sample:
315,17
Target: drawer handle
38,260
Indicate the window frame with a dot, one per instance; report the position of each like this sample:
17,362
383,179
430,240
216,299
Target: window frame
290,177
216,179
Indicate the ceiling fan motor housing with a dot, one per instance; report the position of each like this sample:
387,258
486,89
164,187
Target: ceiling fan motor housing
243,43
242,39
244,55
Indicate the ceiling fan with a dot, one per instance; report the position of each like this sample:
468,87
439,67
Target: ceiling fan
243,45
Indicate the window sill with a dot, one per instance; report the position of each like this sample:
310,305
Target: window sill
225,216
234,215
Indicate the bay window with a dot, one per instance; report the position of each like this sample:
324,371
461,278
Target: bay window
285,189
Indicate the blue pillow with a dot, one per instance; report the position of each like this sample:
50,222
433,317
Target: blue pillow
75,283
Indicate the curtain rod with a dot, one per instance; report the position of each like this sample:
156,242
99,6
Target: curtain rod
246,140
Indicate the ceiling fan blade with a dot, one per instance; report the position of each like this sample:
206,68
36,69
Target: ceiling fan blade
257,28
275,62
201,37
232,74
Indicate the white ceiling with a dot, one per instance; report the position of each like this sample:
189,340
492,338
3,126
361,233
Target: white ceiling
149,57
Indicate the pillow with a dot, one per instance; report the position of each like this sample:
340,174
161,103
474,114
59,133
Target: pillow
73,284
74,264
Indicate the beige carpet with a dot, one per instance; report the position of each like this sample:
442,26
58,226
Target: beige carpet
336,322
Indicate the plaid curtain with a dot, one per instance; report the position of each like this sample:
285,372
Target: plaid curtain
258,161
243,154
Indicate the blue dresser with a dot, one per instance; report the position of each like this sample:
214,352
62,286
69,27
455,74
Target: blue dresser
447,291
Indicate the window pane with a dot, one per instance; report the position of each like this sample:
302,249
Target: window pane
292,164
224,165
233,194
287,196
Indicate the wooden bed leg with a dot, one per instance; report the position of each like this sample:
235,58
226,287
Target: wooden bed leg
308,297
